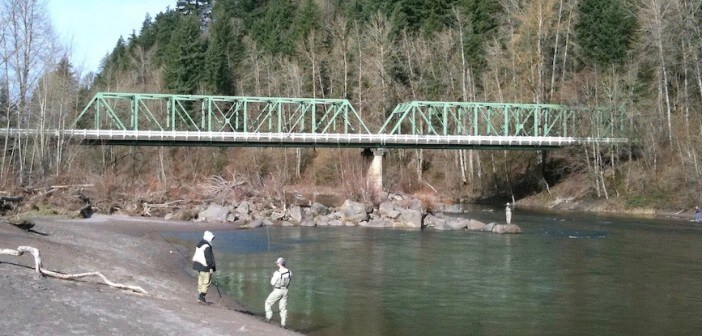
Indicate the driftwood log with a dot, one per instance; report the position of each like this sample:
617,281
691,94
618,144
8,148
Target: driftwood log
42,271
21,223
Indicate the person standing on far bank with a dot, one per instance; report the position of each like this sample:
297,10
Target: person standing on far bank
508,214
280,281
204,263
697,214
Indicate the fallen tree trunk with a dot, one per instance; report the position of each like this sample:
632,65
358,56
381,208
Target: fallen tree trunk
21,223
42,271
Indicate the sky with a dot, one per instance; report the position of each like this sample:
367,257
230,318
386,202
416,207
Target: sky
91,28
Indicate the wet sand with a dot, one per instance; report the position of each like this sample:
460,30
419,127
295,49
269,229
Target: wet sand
128,251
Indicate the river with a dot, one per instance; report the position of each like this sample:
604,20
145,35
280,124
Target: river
565,274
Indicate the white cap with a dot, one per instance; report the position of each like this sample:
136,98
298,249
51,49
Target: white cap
208,236
280,261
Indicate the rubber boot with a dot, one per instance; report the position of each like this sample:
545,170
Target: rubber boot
201,298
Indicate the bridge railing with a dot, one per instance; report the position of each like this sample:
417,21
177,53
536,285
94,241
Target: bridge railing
163,112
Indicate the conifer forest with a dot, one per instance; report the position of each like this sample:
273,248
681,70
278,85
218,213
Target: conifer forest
640,56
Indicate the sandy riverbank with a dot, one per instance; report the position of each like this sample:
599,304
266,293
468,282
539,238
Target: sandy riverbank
126,250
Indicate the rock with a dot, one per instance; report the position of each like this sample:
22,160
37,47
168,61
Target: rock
457,223
231,217
387,209
287,224
416,204
489,227
410,218
442,227
277,215
336,215
267,222
433,221
295,214
376,223
214,213
318,209
253,224
354,211
476,225
181,214
506,228
308,223
244,208
335,222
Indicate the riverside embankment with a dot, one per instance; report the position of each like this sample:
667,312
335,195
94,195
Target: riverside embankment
126,250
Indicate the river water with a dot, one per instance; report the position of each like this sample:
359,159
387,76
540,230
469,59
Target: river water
565,274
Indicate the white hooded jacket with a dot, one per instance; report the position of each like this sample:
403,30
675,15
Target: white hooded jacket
203,259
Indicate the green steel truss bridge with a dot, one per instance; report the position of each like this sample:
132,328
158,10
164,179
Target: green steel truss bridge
139,119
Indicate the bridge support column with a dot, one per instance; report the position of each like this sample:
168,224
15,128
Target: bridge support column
374,176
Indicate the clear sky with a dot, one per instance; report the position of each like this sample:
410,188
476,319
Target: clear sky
91,28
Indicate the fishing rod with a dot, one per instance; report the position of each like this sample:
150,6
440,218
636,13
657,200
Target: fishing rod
181,254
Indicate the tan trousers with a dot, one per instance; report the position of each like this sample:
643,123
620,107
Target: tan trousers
282,295
204,280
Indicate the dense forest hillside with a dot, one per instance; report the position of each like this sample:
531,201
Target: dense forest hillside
640,56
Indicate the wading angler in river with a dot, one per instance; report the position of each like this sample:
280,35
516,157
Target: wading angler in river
204,263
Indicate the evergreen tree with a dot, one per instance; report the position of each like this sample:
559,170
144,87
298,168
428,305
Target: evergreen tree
201,8
147,34
118,58
604,30
272,29
164,26
361,10
249,11
64,71
306,20
184,63
419,15
437,16
218,72
480,18
408,15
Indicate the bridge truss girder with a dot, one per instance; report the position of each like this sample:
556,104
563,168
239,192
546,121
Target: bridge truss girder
501,119
201,113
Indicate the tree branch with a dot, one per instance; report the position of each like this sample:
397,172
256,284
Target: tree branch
39,269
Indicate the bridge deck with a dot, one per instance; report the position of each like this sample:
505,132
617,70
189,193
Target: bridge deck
243,139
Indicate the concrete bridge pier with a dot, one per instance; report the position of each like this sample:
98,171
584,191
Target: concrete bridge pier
374,175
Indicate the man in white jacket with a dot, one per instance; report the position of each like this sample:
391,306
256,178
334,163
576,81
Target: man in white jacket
280,281
508,213
204,263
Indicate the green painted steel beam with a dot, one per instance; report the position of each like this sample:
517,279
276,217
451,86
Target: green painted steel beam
158,112
201,113
502,119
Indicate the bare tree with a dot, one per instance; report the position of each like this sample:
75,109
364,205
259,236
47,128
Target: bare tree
375,49
341,50
29,37
654,24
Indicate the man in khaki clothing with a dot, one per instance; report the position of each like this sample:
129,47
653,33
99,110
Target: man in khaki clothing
204,263
280,281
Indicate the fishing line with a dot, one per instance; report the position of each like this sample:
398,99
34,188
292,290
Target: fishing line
268,235
180,252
